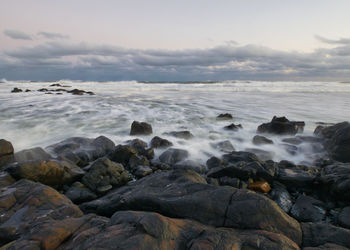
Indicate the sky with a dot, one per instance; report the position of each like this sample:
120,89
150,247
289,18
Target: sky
161,40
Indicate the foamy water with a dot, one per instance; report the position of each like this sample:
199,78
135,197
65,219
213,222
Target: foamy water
38,119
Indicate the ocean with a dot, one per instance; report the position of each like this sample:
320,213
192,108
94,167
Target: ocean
36,119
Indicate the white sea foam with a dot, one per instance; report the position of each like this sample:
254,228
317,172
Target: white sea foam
37,119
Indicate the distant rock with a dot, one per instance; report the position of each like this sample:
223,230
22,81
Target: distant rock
141,128
16,90
173,156
158,142
181,134
6,152
281,126
261,140
225,116
233,127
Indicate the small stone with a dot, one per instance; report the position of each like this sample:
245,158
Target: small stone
233,127
260,186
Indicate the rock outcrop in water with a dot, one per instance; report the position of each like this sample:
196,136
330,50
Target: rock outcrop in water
281,126
133,196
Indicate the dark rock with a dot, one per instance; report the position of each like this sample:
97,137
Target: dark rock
327,246
186,135
260,186
82,150
141,148
317,234
308,209
261,154
140,128
223,146
293,140
281,196
104,173
6,179
122,154
228,181
281,126
6,152
173,155
16,90
142,171
291,149
214,162
238,156
76,92
136,161
338,141
78,193
233,127
344,217
43,90
185,194
28,90
190,165
261,140
158,142
33,154
55,173
225,116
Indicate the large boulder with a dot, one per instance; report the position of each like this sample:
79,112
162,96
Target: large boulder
32,154
185,194
140,128
6,152
104,174
145,230
55,173
308,209
281,126
122,154
82,150
337,141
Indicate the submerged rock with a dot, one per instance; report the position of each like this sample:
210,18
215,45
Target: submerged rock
158,142
223,146
261,140
281,126
173,156
16,90
141,128
186,135
225,116
233,127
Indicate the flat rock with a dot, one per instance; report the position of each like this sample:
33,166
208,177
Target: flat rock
185,194
140,128
223,146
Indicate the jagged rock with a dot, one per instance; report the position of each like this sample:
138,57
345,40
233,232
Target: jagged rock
33,154
55,173
173,156
260,186
6,152
122,154
185,194
78,193
308,209
223,146
214,162
225,116
317,234
344,217
16,90
281,196
233,127
181,134
261,140
82,150
104,173
158,142
6,179
281,126
141,148
141,128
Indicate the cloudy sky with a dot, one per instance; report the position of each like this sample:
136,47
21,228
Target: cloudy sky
161,40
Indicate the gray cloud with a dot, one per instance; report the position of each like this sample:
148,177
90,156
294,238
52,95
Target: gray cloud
58,59
344,41
51,35
16,34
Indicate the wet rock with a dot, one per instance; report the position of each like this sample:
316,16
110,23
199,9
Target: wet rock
281,196
185,194
54,173
328,246
317,234
293,140
33,154
190,165
225,116
6,152
78,193
16,90
122,154
233,127
141,128
261,154
223,146
6,179
158,142
338,140
82,150
281,126
104,173
28,90
43,90
238,156
136,161
142,171
308,209
141,148
214,162
186,135
261,140
173,156
146,230
291,149
260,186
76,92
229,181
344,217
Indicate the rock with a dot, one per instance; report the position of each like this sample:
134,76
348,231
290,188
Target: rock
122,154
233,127
136,161
6,179
228,181
6,152
173,156
185,194
141,148
78,193
344,217
260,186
158,142
261,140
190,165
281,196
146,230
186,135
35,212
16,90
28,90
82,150
33,154
261,154
142,171
223,146
291,149
140,128
317,234
104,173
54,173
43,90
76,92
328,246
214,162
308,209
337,141
293,140
225,116
281,126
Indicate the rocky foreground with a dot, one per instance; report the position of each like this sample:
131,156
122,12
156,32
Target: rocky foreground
86,193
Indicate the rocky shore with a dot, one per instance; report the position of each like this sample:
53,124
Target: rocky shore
88,193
